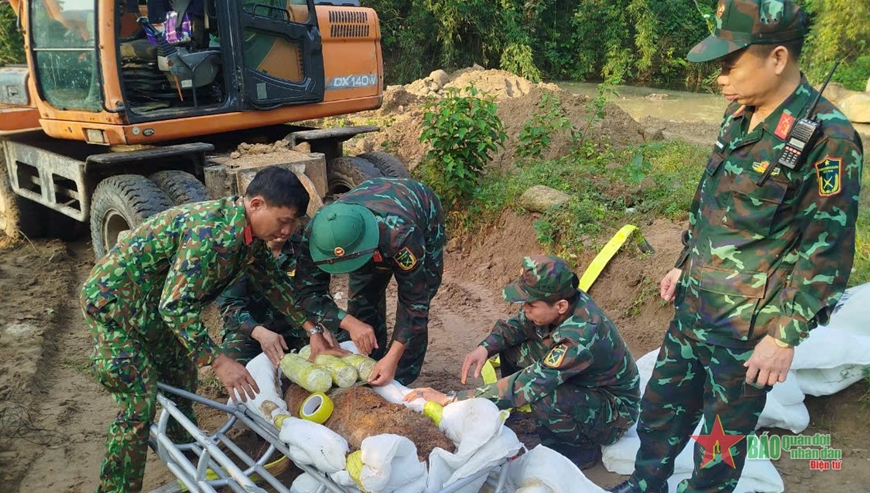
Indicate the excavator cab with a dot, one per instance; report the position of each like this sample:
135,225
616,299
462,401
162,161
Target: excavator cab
175,58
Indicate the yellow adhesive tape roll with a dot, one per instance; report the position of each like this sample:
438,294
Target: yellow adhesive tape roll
317,407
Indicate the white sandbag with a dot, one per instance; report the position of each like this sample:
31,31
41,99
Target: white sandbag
390,465
543,470
266,376
785,407
477,428
343,479
315,444
305,483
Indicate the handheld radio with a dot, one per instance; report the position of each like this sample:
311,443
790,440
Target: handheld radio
801,136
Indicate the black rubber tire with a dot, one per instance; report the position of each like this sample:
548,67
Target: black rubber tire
121,203
181,186
18,216
387,164
344,173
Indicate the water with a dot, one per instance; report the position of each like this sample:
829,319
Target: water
681,106
676,105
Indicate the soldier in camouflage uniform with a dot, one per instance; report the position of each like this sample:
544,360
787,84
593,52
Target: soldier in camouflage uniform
763,264
384,228
252,324
143,304
564,357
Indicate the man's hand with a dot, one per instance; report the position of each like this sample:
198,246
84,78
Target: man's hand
236,379
325,343
476,359
769,363
383,372
361,333
431,395
272,343
669,284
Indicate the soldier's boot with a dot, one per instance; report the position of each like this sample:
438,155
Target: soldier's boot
629,487
584,456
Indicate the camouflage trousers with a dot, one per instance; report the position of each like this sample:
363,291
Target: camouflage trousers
573,415
692,379
367,301
129,368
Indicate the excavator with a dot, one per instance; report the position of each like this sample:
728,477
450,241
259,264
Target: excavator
127,107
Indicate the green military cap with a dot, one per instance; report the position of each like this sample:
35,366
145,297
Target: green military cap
740,23
343,237
543,277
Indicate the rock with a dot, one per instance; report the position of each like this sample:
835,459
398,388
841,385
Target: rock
235,155
867,89
856,107
440,77
540,198
422,87
835,92
653,133
394,88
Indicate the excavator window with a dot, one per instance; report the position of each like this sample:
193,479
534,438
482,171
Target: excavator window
63,48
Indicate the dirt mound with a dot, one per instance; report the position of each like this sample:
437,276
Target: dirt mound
517,100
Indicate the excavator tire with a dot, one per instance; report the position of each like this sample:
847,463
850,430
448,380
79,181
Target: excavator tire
344,173
120,203
18,216
181,186
387,164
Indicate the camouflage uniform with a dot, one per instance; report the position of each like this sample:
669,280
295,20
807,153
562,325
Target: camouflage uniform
409,246
243,308
578,376
143,303
757,261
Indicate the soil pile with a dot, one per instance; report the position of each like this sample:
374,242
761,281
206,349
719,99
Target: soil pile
517,100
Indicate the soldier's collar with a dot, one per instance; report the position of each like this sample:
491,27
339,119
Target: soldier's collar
780,122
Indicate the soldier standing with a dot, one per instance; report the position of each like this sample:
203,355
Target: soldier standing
252,324
143,305
562,355
384,228
764,262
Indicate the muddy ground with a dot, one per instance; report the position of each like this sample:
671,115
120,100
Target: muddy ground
53,415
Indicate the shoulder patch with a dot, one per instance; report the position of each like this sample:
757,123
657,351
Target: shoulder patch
406,259
829,173
555,356
784,126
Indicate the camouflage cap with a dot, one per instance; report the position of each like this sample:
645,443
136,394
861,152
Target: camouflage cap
343,237
740,23
543,277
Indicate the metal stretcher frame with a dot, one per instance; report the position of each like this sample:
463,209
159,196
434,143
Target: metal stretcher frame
229,474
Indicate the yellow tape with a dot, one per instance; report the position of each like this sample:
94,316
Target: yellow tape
600,262
489,376
317,407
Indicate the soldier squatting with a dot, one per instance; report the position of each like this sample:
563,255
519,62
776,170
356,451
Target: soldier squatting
762,265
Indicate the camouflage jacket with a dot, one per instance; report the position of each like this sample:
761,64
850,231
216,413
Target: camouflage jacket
243,307
411,228
170,267
586,350
772,259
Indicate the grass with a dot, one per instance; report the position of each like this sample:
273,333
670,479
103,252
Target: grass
861,265
608,187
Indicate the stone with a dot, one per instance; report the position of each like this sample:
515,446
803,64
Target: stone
440,77
856,107
453,244
835,92
540,198
867,89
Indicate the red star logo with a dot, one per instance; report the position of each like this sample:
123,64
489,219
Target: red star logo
717,442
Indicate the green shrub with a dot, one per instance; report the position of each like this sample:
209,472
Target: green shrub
462,130
539,129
